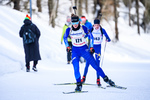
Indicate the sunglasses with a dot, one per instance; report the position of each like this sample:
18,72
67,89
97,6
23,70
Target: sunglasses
73,23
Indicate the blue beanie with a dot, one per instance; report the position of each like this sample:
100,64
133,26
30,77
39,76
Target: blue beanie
96,21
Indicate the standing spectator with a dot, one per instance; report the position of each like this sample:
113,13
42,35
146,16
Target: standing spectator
30,34
67,24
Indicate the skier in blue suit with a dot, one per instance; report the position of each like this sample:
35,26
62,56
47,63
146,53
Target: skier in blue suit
85,22
78,36
97,32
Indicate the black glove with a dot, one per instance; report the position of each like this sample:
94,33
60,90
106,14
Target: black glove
92,50
68,49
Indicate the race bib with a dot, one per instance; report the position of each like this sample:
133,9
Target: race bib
97,35
77,38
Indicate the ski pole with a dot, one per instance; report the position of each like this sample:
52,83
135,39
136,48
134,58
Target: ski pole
103,54
75,8
98,54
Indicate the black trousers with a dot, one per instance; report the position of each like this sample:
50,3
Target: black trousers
69,53
34,63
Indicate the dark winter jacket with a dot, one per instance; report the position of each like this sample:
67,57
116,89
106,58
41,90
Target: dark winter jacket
32,52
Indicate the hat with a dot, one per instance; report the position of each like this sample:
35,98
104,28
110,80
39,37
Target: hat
96,21
28,17
83,18
74,19
68,17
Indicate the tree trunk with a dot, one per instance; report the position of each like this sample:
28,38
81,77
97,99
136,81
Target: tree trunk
129,13
80,7
16,4
116,20
57,5
51,13
145,15
95,4
39,5
86,6
100,3
137,11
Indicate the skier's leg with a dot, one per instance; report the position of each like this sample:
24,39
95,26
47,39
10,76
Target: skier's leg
69,53
85,72
90,59
75,62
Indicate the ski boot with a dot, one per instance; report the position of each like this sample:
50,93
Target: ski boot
28,69
110,82
83,79
34,68
98,82
79,87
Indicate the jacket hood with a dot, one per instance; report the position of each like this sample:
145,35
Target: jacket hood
27,22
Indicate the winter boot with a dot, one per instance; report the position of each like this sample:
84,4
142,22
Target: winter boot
110,82
98,82
83,79
34,68
28,69
68,62
79,86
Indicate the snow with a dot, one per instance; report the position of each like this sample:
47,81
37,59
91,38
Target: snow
127,63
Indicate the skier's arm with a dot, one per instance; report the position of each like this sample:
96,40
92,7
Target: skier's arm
63,32
91,39
89,35
65,37
106,35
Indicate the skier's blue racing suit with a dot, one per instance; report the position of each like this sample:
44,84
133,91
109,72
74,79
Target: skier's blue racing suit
80,48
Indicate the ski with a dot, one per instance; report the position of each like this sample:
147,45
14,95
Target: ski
101,87
73,84
65,84
119,87
82,84
75,92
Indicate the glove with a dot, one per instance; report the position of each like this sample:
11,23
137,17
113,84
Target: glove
68,49
107,40
92,50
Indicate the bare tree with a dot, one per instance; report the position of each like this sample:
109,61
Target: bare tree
79,7
57,5
86,6
137,11
100,4
129,13
51,12
95,4
116,20
16,4
39,5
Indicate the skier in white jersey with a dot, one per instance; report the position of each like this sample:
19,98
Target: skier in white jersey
97,32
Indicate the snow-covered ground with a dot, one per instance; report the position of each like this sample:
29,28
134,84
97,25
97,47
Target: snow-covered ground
127,63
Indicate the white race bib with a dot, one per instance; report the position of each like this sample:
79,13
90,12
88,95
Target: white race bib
97,35
77,38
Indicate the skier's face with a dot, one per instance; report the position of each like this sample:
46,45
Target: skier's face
69,20
96,26
83,20
75,24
